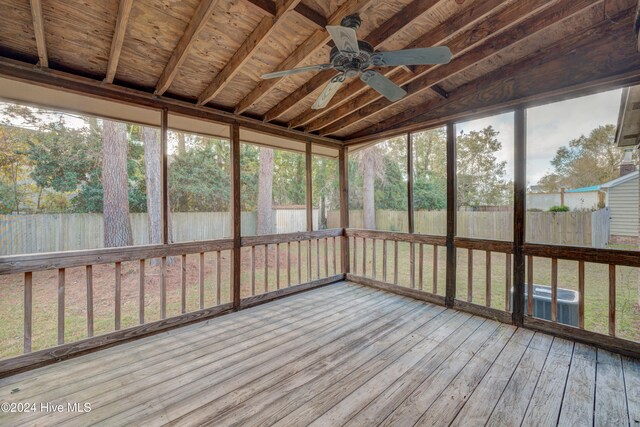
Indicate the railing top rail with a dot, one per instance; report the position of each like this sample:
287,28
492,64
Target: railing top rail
54,260
270,239
393,235
483,244
577,253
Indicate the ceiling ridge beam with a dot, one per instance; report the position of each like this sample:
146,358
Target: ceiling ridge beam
378,36
38,30
460,23
197,23
246,51
587,41
314,42
124,11
540,17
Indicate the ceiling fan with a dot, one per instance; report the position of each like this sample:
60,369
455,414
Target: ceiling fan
351,57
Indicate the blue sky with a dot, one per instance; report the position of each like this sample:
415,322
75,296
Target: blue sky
550,127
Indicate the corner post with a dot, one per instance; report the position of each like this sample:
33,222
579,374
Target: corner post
164,171
343,175
519,214
308,166
411,222
235,214
451,215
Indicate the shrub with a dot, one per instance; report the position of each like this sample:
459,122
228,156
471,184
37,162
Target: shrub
562,208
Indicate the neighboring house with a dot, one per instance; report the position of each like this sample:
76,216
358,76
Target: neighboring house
623,202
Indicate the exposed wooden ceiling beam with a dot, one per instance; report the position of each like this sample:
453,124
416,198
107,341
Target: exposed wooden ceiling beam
38,29
197,23
314,42
539,16
439,35
246,51
561,70
388,28
268,7
124,11
636,26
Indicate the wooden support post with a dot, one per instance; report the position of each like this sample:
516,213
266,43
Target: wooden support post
308,166
235,215
519,218
451,215
164,175
343,176
410,184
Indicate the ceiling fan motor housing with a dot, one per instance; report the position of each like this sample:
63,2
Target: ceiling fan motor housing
352,63
351,21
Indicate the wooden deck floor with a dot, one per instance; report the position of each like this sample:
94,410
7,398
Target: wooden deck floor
339,355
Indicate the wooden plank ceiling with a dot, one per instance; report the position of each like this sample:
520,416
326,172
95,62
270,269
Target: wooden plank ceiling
212,52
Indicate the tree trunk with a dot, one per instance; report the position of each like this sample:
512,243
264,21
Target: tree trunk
265,192
181,143
153,184
323,213
117,225
368,193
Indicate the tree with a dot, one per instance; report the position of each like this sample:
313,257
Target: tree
481,177
430,169
585,161
117,225
265,192
153,183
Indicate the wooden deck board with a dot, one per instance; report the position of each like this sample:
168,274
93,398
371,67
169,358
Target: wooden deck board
344,354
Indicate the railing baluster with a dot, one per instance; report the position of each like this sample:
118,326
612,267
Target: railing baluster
183,284
612,300
299,262
412,268
201,281
488,279
89,280
435,270
421,267
141,267
384,260
118,293
277,265
364,257
530,285
326,257
317,258
266,268
218,277
469,275
253,270
163,288
395,262
309,263
374,266
355,255
61,284
335,270
554,289
28,310
507,293
581,294
288,264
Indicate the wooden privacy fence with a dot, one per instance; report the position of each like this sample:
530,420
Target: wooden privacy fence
579,228
23,234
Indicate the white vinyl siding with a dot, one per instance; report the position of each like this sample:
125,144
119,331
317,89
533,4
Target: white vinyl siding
623,207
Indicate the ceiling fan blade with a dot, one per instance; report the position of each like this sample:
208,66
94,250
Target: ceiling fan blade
345,38
328,92
419,56
383,85
277,74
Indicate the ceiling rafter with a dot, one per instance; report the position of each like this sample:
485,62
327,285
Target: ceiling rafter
561,68
246,51
437,36
534,17
268,7
197,23
378,36
314,42
124,11
38,29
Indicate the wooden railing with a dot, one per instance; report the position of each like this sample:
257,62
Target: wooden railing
323,268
